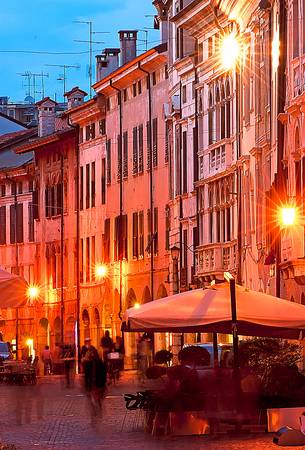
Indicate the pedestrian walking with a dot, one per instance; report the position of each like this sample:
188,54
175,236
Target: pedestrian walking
89,356
107,345
47,360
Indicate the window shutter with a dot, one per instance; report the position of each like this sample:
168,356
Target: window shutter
148,139
87,186
125,154
81,191
116,240
149,243
155,240
12,224
125,237
135,150
135,232
184,164
141,234
35,204
140,165
119,160
103,182
20,222
108,152
3,225
59,203
93,185
155,142
167,226
31,222
166,143
107,240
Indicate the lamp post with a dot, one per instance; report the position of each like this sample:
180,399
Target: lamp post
177,337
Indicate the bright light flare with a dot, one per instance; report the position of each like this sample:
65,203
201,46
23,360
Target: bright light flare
33,292
229,51
288,216
136,305
101,271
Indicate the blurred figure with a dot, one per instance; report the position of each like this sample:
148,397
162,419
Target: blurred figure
119,348
107,345
143,356
47,360
67,356
56,360
89,356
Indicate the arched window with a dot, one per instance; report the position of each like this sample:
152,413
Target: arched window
222,114
211,118
228,109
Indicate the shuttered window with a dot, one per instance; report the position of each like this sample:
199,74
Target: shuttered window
167,227
81,260
141,234
20,223
149,243
166,142
119,158
125,154
103,182
107,240
135,150
184,163
156,243
116,240
155,142
12,224
88,259
59,199
93,185
31,222
108,154
124,237
140,158
87,186
81,191
2,225
135,235
148,143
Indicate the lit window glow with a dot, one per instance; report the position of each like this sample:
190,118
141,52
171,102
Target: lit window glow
288,216
230,51
101,271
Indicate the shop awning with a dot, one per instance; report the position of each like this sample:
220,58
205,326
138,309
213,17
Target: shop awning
13,290
209,310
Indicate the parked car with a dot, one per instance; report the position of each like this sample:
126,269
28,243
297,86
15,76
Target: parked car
225,353
5,352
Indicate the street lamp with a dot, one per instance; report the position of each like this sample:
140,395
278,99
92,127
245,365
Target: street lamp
288,215
136,305
33,292
101,271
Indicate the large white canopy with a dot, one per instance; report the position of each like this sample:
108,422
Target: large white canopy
209,310
13,289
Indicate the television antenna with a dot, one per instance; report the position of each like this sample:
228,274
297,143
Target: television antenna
63,77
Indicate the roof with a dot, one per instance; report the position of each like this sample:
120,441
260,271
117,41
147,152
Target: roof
17,136
158,49
45,99
33,144
11,160
75,89
9,124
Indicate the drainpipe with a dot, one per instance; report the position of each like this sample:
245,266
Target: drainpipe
62,304
76,127
151,182
239,175
280,181
121,195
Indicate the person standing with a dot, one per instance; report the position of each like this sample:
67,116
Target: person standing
107,345
47,360
89,357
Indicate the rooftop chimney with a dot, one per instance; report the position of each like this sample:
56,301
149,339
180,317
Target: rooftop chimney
128,43
46,116
107,62
75,97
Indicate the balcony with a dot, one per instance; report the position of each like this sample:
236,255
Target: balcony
213,260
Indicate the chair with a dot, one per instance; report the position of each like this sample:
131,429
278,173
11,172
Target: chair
132,403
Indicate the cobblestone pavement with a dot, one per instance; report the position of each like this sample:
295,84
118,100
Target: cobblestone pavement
50,417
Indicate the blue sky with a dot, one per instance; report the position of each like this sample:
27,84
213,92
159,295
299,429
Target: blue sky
47,25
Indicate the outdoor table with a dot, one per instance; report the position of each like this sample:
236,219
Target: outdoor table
17,372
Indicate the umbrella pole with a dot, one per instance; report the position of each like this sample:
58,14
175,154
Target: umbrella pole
231,281
215,350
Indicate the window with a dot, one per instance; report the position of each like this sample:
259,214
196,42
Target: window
295,21
184,94
92,131
88,132
210,46
166,71
125,97
185,249
31,222
125,154
149,230
141,234
134,89
119,160
184,163
93,258
87,259
155,142
139,87
81,260
81,191
103,182
154,78
135,150
2,225
19,187
87,186
108,154
106,241
59,200
135,235
3,190
140,156
93,185
167,227
31,184
120,238
166,154
102,126
108,104
16,223
13,189
148,143
155,239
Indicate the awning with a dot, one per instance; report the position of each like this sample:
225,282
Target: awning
209,310
13,290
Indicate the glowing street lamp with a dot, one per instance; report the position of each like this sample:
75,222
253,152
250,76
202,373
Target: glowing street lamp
33,292
136,305
101,271
288,216
229,51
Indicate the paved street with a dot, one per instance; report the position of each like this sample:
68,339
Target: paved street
51,417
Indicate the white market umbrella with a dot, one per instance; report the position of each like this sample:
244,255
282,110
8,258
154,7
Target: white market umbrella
209,310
